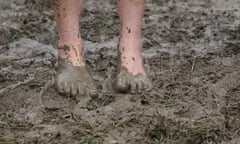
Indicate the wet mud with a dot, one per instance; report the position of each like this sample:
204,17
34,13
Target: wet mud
191,53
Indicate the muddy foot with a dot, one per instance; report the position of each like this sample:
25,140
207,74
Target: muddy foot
126,82
74,80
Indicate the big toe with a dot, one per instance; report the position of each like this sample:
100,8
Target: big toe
121,84
59,86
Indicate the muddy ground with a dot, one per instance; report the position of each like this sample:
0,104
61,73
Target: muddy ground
192,54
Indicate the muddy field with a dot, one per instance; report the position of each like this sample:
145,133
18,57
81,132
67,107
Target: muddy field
192,54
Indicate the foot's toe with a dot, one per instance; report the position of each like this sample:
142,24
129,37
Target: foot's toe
80,90
121,84
93,92
92,89
67,89
147,85
133,87
59,87
73,89
140,86
86,90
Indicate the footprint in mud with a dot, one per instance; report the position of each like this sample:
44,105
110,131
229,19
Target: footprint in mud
74,80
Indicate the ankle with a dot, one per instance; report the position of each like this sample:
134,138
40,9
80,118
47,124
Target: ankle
72,51
130,49
70,43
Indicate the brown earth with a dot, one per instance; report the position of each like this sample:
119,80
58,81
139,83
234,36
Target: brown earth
191,51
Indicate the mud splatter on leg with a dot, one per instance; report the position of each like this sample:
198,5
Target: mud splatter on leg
131,75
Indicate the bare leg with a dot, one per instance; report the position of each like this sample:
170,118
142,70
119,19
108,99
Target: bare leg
131,76
72,77
67,15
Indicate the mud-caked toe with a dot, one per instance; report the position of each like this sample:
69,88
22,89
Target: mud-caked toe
122,84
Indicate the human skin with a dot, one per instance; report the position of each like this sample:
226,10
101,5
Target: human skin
131,76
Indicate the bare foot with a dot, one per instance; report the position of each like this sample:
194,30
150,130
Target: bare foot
131,76
127,82
72,78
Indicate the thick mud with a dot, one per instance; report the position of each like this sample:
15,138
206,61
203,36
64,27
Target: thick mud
192,55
